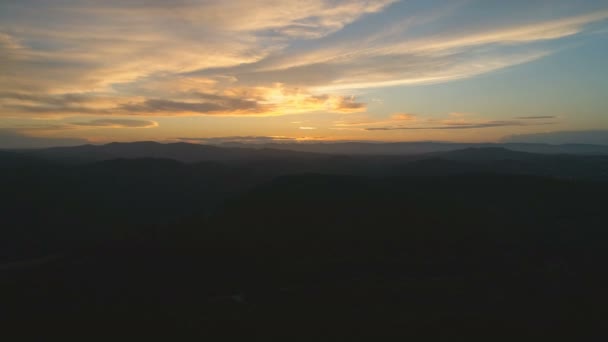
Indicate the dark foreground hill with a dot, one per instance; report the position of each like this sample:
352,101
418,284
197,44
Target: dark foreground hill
479,242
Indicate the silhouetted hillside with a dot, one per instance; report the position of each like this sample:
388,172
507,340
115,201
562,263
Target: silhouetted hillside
320,206
275,162
498,160
463,242
485,154
179,151
412,148
18,160
189,153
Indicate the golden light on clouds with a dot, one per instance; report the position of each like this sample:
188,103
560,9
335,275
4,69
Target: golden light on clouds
266,59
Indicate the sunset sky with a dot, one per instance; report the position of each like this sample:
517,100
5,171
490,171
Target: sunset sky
77,71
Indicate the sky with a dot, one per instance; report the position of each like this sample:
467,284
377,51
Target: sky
85,71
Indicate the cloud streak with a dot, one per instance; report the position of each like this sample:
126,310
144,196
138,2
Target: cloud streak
538,117
245,58
458,126
248,139
454,121
117,123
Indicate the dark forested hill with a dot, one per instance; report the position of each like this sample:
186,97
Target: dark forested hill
470,242
332,159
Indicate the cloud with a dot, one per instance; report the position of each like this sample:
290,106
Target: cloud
404,117
454,121
402,59
348,105
420,69
539,117
406,121
525,33
254,101
117,123
160,106
397,118
255,58
11,138
58,104
248,139
61,100
463,125
307,128
302,19
47,131
257,101
81,46
597,137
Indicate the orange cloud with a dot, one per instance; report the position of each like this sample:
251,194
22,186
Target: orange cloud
398,118
404,117
117,123
255,101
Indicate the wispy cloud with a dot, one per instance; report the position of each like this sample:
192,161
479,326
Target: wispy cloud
117,123
362,121
404,117
538,117
255,101
462,125
250,58
238,139
248,139
49,130
453,121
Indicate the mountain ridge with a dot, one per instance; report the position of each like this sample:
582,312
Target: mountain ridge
189,152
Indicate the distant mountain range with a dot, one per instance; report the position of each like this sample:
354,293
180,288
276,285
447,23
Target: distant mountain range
189,153
362,159
409,148
183,152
